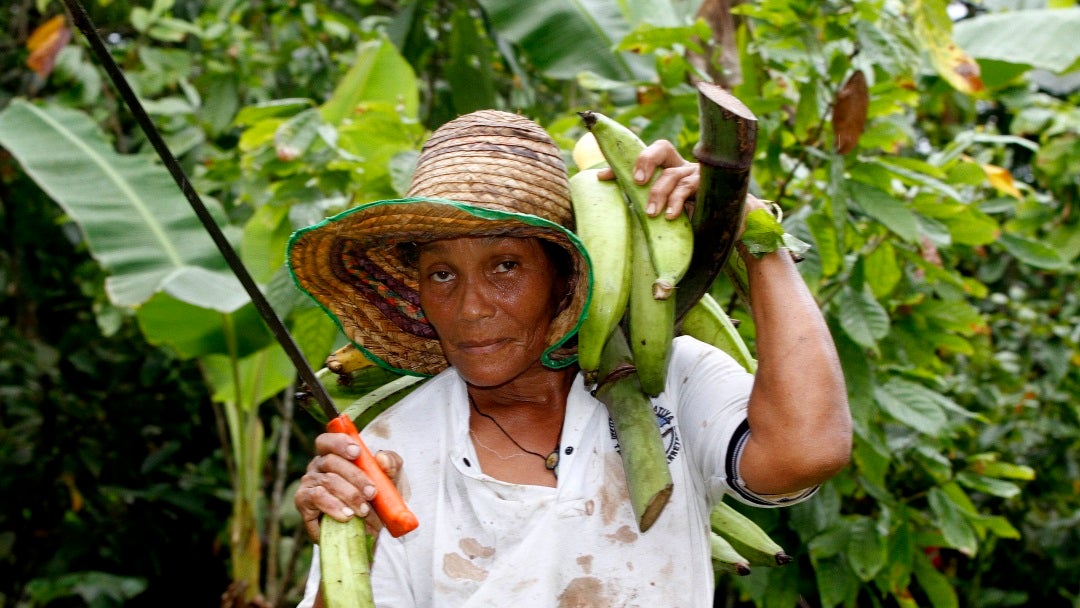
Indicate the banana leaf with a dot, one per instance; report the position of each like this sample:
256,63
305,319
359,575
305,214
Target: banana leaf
136,222
1041,38
564,38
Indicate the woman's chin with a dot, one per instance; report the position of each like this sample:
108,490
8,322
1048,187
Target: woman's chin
494,365
488,372
484,376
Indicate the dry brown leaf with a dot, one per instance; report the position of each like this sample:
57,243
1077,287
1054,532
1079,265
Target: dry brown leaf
45,43
964,73
933,29
849,112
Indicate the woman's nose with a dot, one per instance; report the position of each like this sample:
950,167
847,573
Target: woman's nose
475,302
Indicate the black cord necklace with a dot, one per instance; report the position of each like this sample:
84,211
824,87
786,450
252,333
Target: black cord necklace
551,461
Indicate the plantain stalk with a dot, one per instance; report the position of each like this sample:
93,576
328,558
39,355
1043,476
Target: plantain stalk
648,478
708,321
367,391
367,407
345,565
725,151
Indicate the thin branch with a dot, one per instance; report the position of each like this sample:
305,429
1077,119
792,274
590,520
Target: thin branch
286,408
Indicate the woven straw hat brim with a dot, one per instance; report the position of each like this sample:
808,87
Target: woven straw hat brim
351,265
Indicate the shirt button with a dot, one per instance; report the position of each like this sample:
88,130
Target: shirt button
569,450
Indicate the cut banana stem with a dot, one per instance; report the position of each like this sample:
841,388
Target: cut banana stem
748,539
671,241
707,321
650,322
345,564
725,151
728,129
725,558
347,359
602,220
648,479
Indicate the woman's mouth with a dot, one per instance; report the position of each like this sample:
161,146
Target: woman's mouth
481,347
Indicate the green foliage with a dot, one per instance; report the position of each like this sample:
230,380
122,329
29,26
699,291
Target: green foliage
106,443
943,245
137,224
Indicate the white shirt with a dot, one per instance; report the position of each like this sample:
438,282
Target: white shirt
485,542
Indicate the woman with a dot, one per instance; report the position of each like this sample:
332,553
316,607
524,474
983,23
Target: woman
504,456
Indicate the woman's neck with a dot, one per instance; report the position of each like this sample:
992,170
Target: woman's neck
516,428
532,395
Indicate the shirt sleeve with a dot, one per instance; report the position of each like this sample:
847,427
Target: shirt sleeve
713,393
738,486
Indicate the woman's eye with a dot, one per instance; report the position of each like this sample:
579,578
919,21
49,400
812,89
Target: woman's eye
441,276
506,266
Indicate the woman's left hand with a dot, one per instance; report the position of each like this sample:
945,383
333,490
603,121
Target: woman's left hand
674,187
335,486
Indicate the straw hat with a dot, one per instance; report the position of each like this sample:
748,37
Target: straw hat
485,173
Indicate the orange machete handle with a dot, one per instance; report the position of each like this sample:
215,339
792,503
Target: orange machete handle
388,504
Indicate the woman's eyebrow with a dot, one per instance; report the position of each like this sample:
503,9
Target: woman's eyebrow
497,238
437,245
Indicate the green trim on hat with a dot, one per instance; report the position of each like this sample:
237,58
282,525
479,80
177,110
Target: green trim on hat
474,210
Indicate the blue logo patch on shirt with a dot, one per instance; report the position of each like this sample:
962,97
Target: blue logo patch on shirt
669,434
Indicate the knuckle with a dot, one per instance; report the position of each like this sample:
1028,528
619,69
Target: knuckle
353,495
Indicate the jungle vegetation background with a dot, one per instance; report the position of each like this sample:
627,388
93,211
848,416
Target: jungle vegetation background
928,151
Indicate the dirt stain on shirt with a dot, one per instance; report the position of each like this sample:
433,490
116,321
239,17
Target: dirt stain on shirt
472,548
459,567
613,491
379,429
667,570
623,535
585,592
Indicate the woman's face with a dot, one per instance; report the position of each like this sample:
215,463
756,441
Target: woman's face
491,300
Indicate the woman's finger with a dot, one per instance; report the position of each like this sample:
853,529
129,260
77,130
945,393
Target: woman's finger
335,486
671,190
337,443
390,462
337,453
321,492
661,154
675,184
